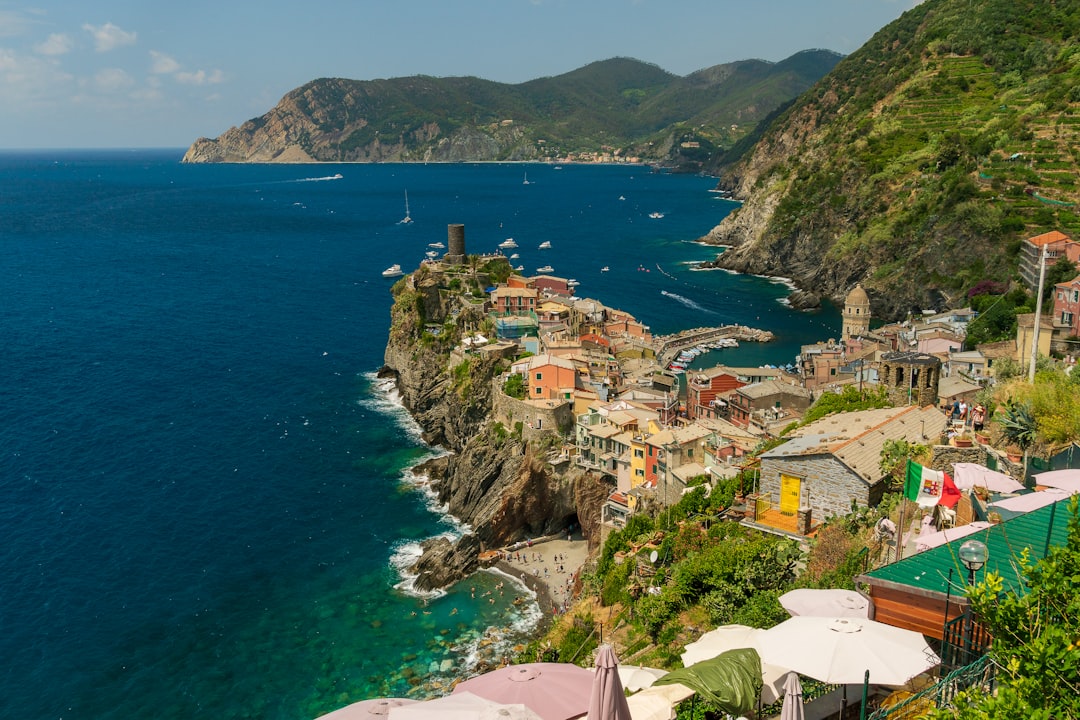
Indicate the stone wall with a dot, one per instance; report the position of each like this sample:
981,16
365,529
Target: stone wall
539,419
828,486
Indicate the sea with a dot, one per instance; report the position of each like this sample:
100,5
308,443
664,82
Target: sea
206,498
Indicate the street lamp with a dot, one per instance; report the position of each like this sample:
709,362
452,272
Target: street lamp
973,554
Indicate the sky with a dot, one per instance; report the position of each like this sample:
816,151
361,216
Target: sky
162,73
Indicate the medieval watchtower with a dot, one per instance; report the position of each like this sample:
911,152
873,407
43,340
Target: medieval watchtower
911,378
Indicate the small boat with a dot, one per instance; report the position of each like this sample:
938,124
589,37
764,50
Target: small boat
546,245
572,283
515,256
656,215
408,218
436,245
432,254
526,181
520,268
622,197
604,269
545,269
508,243
392,271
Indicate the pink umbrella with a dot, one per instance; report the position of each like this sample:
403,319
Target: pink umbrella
1068,480
825,603
607,700
1031,501
367,709
462,706
931,540
554,691
967,476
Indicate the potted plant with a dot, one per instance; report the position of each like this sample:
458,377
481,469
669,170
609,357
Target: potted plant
962,439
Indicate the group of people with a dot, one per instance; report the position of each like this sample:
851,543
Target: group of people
976,418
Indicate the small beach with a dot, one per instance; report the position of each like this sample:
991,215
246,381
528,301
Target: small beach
550,568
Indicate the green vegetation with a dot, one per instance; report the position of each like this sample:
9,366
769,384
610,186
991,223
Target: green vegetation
515,387
1036,643
849,400
927,154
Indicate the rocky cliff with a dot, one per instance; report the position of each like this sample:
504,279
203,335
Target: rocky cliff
917,164
495,482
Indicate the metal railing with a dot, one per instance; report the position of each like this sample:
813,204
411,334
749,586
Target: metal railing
979,674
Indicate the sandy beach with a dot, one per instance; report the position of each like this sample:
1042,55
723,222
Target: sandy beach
549,567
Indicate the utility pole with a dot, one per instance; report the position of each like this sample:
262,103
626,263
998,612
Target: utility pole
1038,316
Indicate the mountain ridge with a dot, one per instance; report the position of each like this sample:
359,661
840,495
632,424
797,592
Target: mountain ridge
619,107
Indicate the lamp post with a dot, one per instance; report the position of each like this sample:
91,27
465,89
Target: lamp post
973,554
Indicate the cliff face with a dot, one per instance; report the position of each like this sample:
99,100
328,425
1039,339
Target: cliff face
492,481
909,166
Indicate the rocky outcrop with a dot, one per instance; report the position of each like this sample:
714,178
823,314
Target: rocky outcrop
502,487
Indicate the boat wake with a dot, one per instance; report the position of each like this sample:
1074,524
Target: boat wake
686,301
325,178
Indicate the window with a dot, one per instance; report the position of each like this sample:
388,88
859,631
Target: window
539,376
638,472
639,453
538,391
1066,318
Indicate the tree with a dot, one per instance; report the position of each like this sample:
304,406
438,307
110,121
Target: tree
1018,425
1036,638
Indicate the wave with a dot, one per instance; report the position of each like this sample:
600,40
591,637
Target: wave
686,301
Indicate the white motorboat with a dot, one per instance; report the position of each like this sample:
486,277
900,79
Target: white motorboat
656,215
545,269
393,271
508,243
546,245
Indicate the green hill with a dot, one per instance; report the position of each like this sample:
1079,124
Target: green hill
920,161
615,108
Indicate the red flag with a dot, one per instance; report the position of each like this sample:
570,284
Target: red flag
950,494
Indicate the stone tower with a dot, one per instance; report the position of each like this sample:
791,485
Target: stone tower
455,244
856,314
911,378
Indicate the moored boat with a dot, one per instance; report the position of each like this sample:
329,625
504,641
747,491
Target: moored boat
393,271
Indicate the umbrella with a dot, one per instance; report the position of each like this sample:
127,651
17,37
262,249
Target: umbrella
462,706
825,602
967,476
733,637
366,709
841,650
639,678
932,540
554,691
1031,501
793,706
607,700
657,702
731,680
1067,480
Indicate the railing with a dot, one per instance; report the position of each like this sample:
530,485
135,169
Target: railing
979,674
963,641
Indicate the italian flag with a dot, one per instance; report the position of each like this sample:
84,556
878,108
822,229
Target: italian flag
929,487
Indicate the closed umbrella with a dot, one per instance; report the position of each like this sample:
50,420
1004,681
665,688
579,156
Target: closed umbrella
607,700
554,691
841,650
967,476
367,709
825,603
792,709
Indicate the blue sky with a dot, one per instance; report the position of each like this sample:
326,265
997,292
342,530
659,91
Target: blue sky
157,73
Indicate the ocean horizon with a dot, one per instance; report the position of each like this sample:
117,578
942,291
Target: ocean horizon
208,497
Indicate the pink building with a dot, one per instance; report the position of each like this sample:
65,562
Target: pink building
1067,304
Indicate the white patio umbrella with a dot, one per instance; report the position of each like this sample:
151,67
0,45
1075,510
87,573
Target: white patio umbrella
932,540
657,702
639,678
825,603
733,637
1067,480
1031,501
841,650
373,709
967,476
462,706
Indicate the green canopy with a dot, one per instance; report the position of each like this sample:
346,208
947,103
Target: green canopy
731,680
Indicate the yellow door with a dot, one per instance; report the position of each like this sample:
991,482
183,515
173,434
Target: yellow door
789,494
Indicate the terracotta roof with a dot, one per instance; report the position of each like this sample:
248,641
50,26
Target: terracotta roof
1050,237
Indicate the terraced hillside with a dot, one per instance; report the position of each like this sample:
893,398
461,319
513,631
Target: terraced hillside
920,162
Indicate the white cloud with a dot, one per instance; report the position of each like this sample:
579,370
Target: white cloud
27,81
162,64
55,44
112,80
109,37
200,77
13,23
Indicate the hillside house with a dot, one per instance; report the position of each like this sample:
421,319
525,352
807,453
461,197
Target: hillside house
779,399
703,387
1067,305
834,462
1056,245
551,378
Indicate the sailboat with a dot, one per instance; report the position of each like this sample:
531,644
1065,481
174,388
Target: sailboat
408,218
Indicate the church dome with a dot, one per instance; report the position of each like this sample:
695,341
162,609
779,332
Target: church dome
857,296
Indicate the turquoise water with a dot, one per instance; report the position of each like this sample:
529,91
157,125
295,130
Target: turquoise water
206,492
